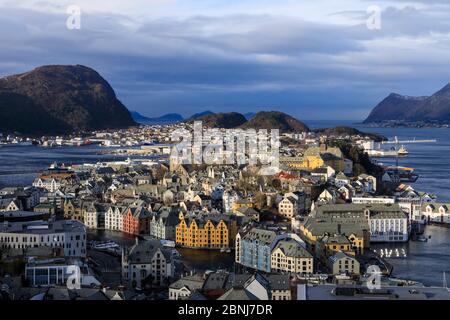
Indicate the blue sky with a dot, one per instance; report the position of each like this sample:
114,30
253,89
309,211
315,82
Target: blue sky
312,59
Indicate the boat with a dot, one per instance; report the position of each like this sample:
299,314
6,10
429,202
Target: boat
421,238
404,174
402,151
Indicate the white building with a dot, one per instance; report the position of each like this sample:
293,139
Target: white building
436,212
114,218
57,271
50,184
67,235
373,200
389,225
148,260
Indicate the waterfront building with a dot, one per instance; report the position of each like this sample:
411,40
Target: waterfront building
355,229
205,231
436,212
136,220
254,248
163,224
114,217
388,223
67,236
148,262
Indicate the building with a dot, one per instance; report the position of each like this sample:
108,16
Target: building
148,262
292,257
68,236
436,212
228,199
292,204
163,224
205,231
136,220
342,263
388,223
254,249
279,286
184,287
73,210
54,272
329,245
114,218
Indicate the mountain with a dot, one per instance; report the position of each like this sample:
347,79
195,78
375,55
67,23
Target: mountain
275,120
348,131
60,99
165,119
222,120
398,107
200,114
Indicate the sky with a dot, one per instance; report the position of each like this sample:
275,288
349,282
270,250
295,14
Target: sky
321,59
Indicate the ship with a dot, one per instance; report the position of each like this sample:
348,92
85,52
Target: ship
402,174
402,151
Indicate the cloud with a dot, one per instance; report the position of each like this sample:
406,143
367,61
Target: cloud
331,65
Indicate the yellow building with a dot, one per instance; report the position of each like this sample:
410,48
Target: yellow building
212,232
241,203
309,162
72,211
318,232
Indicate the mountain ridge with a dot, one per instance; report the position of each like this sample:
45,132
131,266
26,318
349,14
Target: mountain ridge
409,108
60,99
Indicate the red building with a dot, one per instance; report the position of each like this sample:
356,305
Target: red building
136,221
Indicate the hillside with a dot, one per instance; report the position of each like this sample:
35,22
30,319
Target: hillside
404,108
222,120
275,120
340,131
60,99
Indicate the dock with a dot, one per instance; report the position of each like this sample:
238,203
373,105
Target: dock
396,141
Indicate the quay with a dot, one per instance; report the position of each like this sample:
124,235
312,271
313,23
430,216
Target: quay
396,141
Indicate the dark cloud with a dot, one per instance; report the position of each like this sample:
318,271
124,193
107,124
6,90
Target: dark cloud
241,62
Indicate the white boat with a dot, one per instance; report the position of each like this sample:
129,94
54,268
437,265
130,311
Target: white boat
402,151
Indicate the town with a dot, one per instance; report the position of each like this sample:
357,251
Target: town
133,229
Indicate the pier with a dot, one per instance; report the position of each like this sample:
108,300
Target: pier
396,141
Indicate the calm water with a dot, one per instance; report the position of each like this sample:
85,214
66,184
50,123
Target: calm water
425,262
19,165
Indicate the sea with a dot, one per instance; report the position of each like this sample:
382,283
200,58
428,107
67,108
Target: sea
425,262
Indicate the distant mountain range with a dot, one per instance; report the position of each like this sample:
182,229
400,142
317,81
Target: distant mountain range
228,120
60,99
167,118
175,117
406,108
261,120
